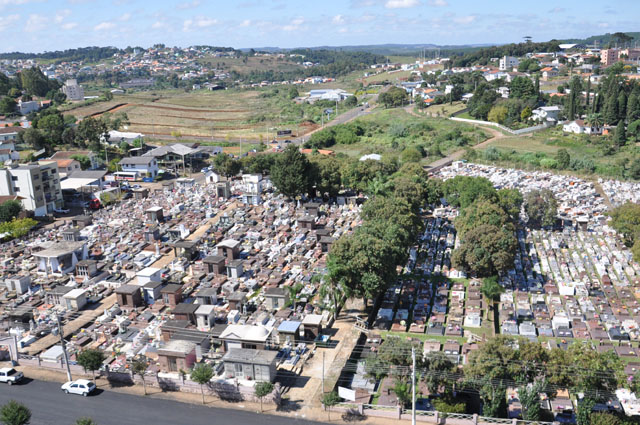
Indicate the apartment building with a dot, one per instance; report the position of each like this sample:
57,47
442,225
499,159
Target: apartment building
507,63
73,90
37,185
611,56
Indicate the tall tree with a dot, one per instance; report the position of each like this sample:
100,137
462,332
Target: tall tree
91,359
202,374
291,173
263,389
541,207
486,251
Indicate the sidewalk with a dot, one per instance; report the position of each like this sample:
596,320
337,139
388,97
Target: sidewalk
303,412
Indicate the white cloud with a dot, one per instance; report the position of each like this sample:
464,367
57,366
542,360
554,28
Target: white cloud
7,21
189,5
198,22
69,26
338,19
294,25
401,4
103,26
157,25
125,17
464,20
36,23
60,15
438,3
245,23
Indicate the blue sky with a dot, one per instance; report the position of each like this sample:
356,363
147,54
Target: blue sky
39,25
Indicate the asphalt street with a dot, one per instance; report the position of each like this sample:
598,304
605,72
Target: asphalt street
50,406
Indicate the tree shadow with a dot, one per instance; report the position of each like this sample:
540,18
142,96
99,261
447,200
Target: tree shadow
352,415
290,406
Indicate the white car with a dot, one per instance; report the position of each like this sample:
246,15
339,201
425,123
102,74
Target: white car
10,376
61,210
81,387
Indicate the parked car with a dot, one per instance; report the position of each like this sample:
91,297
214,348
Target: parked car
10,376
61,210
82,387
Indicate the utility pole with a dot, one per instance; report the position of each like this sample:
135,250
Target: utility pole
64,347
413,386
323,373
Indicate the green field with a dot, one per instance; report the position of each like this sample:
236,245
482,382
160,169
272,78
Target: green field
390,131
534,151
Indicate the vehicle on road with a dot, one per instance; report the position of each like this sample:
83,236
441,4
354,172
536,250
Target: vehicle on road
82,387
61,210
10,376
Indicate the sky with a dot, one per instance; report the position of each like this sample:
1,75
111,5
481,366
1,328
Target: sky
45,25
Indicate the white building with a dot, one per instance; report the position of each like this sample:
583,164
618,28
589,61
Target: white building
37,185
73,90
252,188
139,166
507,63
27,107
334,95
117,137
580,127
546,113
61,257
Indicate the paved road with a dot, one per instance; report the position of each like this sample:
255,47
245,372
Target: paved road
50,406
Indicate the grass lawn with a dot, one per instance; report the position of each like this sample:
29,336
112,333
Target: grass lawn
445,110
387,76
389,131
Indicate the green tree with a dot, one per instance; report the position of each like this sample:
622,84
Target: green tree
10,210
521,88
290,173
462,191
351,101
293,93
327,176
491,290
7,105
69,136
321,139
498,114
52,127
563,158
402,389
14,413
91,359
510,200
85,421
226,165
410,154
90,132
84,161
479,213
263,389
541,207
526,114
620,136
437,366
329,400
626,221
585,407
139,367
202,374
486,251
393,97
529,396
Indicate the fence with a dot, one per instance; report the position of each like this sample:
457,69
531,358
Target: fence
222,389
502,127
429,416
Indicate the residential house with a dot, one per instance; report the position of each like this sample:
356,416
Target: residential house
93,158
9,135
549,72
546,114
134,168
581,127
